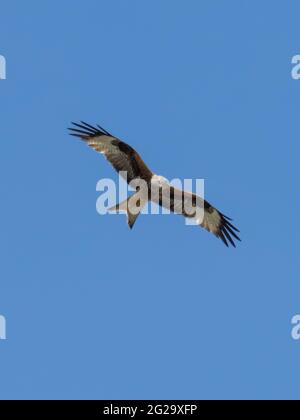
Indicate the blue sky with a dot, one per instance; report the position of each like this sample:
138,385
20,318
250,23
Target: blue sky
202,89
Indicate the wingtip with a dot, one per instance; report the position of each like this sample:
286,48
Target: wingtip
223,239
88,130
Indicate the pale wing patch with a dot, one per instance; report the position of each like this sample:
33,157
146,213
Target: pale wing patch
101,144
211,221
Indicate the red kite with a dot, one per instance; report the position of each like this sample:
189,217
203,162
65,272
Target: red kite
125,159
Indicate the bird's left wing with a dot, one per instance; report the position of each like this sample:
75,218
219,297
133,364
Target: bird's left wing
211,219
220,225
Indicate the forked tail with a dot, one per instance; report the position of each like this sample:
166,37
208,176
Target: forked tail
132,207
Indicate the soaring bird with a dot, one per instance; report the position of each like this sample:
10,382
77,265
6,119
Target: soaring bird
126,160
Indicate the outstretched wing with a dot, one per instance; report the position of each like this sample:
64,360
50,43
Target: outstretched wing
122,156
186,204
220,225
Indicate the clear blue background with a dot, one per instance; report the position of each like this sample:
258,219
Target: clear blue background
200,89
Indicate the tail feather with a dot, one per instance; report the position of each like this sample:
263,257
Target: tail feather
130,208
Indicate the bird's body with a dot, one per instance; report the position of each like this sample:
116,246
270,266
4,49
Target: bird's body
127,161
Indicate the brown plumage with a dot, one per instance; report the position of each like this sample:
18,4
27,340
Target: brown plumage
122,156
125,159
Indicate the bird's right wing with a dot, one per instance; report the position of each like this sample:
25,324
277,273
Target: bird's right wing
122,156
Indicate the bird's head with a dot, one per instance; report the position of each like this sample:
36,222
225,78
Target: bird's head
159,180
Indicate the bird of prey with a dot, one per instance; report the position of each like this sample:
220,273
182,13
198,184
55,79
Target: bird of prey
125,159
